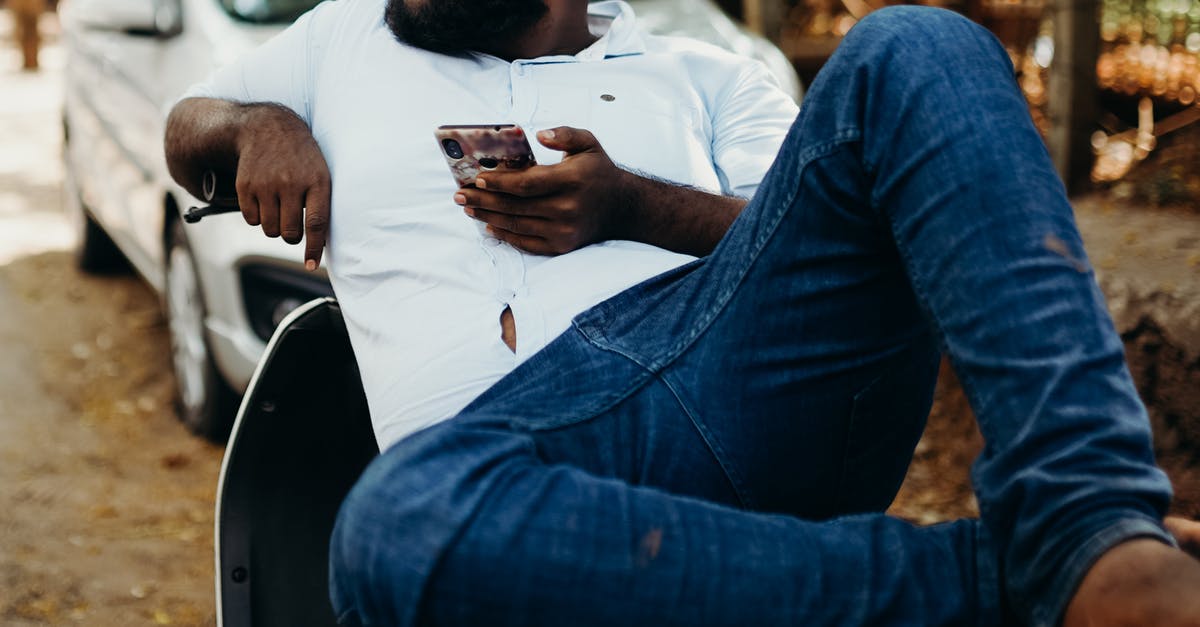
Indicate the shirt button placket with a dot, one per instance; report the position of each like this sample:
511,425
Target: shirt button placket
524,93
510,267
509,273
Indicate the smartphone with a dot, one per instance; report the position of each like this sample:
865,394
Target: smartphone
473,148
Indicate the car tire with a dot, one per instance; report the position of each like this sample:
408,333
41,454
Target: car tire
203,400
95,252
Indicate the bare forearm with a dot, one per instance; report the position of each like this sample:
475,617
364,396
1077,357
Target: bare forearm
202,134
551,210
207,134
265,155
674,217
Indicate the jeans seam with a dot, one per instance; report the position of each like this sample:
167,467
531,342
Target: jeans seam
854,416
714,448
988,581
721,301
342,619
918,286
593,410
964,378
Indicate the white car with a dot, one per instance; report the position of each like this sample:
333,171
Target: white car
224,286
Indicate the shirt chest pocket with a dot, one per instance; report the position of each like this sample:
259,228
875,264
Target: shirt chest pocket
645,131
640,127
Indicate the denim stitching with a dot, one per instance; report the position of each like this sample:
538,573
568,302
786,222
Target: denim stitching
671,354
592,329
855,417
343,619
593,411
718,453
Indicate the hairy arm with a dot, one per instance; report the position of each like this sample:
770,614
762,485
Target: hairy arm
266,154
676,217
587,199
202,135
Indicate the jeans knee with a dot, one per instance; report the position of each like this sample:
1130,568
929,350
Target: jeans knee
363,550
932,34
406,510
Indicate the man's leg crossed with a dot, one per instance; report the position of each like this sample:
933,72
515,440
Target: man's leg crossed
893,216
467,524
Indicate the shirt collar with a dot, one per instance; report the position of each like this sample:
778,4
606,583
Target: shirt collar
623,37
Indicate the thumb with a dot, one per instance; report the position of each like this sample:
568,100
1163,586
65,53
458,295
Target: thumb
569,140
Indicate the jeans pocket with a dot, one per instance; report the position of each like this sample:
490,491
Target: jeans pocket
886,421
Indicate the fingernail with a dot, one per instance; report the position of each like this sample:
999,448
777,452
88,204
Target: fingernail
480,183
460,199
469,211
310,265
546,134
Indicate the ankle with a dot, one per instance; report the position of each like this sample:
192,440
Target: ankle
1140,582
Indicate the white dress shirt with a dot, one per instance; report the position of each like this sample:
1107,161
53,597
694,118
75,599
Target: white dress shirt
421,285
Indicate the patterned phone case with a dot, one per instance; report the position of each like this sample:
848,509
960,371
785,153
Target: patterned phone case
471,149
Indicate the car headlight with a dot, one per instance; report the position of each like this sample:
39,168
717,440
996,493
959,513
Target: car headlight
271,292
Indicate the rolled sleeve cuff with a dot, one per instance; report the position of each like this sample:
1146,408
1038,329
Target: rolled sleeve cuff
1049,611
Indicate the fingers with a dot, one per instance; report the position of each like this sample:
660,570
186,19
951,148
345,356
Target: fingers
544,180
316,224
539,180
521,225
569,140
1186,533
292,203
527,243
268,213
558,223
249,206
535,235
291,217
246,200
283,181
499,202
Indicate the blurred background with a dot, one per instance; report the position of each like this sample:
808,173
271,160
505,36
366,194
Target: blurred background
123,352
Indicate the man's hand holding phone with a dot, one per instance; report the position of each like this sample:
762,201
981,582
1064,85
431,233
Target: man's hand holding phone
555,209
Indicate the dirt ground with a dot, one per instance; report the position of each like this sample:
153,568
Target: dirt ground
106,501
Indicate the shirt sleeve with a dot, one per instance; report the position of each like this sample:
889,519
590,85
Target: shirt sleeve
749,125
282,70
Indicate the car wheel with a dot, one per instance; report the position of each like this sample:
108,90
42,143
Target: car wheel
204,402
95,251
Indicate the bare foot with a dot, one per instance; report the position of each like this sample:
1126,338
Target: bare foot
1140,582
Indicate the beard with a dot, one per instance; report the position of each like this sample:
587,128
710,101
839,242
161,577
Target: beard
460,27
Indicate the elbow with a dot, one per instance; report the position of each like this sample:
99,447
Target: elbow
199,135
173,143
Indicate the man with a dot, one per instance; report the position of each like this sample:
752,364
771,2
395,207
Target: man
669,457
415,276
26,14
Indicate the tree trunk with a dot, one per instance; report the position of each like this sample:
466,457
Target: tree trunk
765,17
1073,93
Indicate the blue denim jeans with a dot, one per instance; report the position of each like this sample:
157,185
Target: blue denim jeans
716,445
